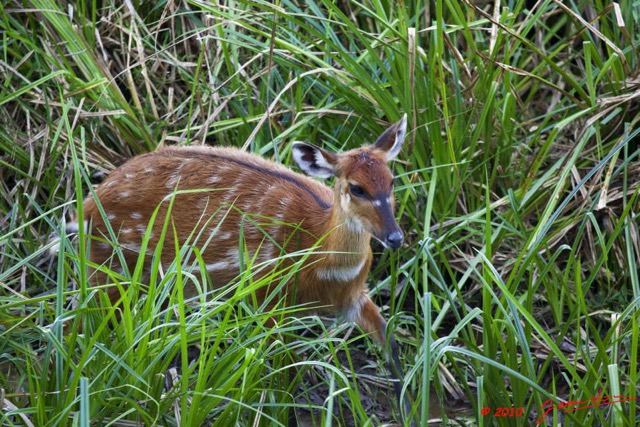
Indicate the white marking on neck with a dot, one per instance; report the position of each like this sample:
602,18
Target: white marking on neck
341,274
354,225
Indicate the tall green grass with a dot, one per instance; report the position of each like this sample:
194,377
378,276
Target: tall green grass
517,190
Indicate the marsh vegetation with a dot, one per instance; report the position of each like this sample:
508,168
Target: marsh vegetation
517,190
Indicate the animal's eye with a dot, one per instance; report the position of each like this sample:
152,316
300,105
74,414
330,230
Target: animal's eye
356,190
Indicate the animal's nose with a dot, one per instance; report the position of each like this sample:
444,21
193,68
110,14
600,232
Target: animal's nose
394,240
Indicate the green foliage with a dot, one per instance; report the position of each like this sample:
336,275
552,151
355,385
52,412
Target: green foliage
517,189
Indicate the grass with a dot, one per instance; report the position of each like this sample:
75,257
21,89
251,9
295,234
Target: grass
518,190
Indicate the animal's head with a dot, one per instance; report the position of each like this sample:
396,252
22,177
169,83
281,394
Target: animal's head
364,181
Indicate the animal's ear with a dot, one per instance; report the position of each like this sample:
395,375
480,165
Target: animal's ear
314,161
391,139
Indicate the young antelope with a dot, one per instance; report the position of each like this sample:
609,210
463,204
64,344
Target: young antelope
222,195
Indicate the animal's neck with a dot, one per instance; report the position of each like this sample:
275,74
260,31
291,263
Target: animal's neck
348,242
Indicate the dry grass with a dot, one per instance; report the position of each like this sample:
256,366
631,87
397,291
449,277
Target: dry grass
518,192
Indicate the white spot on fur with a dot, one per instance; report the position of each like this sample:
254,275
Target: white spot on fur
136,215
124,195
248,206
230,197
129,176
149,169
285,202
222,168
218,265
109,184
225,235
126,231
233,256
265,197
341,274
214,179
111,216
172,181
229,261
141,228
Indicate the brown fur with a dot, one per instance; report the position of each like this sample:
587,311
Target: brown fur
237,190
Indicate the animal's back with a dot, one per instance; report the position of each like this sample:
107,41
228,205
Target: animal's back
216,196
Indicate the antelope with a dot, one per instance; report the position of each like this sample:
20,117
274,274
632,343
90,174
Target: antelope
237,191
